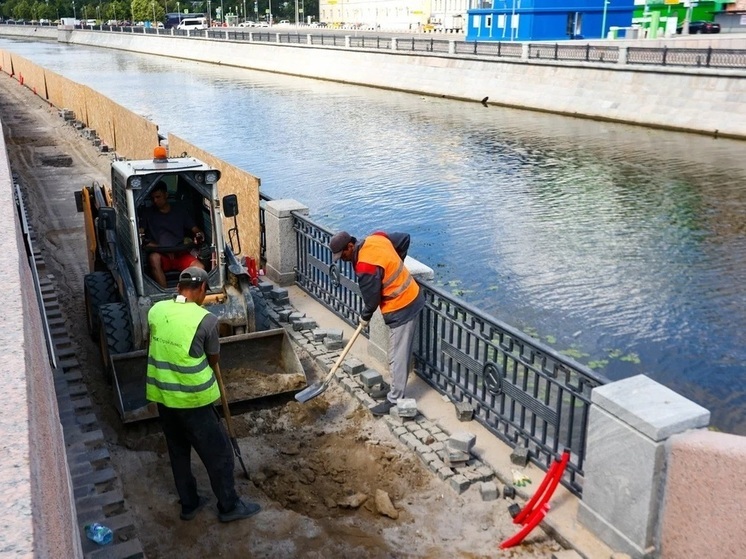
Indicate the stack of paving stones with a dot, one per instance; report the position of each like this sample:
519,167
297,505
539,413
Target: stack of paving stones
446,455
88,133
96,488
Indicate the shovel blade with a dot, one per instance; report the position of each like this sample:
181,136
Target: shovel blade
311,392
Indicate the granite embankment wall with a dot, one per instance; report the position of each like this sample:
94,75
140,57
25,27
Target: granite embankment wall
687,99
38,511
700,100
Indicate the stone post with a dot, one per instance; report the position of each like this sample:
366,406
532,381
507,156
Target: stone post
282,249
378,342
451,47
629,423
309,39
525,51
622,56
393,44
347,41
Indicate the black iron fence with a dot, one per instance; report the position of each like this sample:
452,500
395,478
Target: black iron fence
707,58
524,392
643,56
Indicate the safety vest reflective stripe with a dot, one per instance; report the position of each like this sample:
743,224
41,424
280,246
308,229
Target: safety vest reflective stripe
398,286
176,387
181,369
175,378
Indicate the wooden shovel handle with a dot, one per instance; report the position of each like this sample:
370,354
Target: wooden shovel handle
344,353
224,401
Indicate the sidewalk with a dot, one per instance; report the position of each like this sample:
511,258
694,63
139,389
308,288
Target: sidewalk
561,521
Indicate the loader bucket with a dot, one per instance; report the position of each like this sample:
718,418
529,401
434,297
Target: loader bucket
252,365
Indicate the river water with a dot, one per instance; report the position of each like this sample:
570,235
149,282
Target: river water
622,247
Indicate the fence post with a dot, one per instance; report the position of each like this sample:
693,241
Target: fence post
709,56
309,39
347,41
629,423
525,51
622,55
393,44
378,339
451,47
282,248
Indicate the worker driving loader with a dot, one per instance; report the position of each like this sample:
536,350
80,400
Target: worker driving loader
165,230
124,281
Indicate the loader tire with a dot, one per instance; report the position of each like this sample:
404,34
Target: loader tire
262,320
115,334
98,289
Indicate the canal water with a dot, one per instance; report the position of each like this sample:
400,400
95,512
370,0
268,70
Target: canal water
622,247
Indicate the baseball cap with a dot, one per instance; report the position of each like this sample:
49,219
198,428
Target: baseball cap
193,275
338,243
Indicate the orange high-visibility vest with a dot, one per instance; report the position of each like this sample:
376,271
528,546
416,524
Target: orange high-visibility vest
399,287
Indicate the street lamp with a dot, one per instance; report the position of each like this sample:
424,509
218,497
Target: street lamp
603,19
222,14
75,17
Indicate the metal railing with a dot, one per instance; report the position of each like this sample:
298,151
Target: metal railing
524,392
707,58
643,56
587,53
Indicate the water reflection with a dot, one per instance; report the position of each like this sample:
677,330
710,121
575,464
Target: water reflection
622,247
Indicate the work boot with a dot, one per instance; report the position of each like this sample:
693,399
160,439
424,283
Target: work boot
241,510
189,514
383,408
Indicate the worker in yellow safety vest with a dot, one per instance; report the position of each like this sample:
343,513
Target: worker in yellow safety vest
385,282
184,349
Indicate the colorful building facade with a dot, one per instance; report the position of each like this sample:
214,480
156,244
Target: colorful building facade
546,20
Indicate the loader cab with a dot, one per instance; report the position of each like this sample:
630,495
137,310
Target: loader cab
191,186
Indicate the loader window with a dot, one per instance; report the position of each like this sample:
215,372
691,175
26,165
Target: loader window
189,209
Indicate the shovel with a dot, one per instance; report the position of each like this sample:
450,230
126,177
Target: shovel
227,416
318,387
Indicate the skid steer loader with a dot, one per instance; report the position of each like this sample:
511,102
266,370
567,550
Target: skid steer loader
120,289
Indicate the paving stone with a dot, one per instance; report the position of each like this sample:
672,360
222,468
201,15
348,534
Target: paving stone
445,473
265,286
284,315
462,441
407,407
335,335
353,366
319,334
440,437
437,446
520,456
295,316
422,434
459,483
426,424
370,378
409,440
305,324
489,491
485,472
332,345
568,554
464,411
278,294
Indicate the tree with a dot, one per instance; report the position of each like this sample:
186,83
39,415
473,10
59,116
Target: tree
143,10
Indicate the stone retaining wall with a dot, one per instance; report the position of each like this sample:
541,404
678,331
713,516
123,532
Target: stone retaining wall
687,99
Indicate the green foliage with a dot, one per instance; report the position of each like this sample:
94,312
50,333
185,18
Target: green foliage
147,10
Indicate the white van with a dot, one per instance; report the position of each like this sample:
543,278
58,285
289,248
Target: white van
193,23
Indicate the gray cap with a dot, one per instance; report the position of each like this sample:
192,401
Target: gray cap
338,243
193,276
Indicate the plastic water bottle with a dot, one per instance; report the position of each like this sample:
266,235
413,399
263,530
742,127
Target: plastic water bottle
99,533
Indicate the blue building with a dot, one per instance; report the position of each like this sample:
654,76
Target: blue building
546,20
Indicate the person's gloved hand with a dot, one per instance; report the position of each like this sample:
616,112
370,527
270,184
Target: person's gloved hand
199,238
364,323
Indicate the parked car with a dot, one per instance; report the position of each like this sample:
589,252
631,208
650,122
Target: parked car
247,24
696,27
262,24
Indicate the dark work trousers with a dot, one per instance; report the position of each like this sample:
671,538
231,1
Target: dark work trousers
201,429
